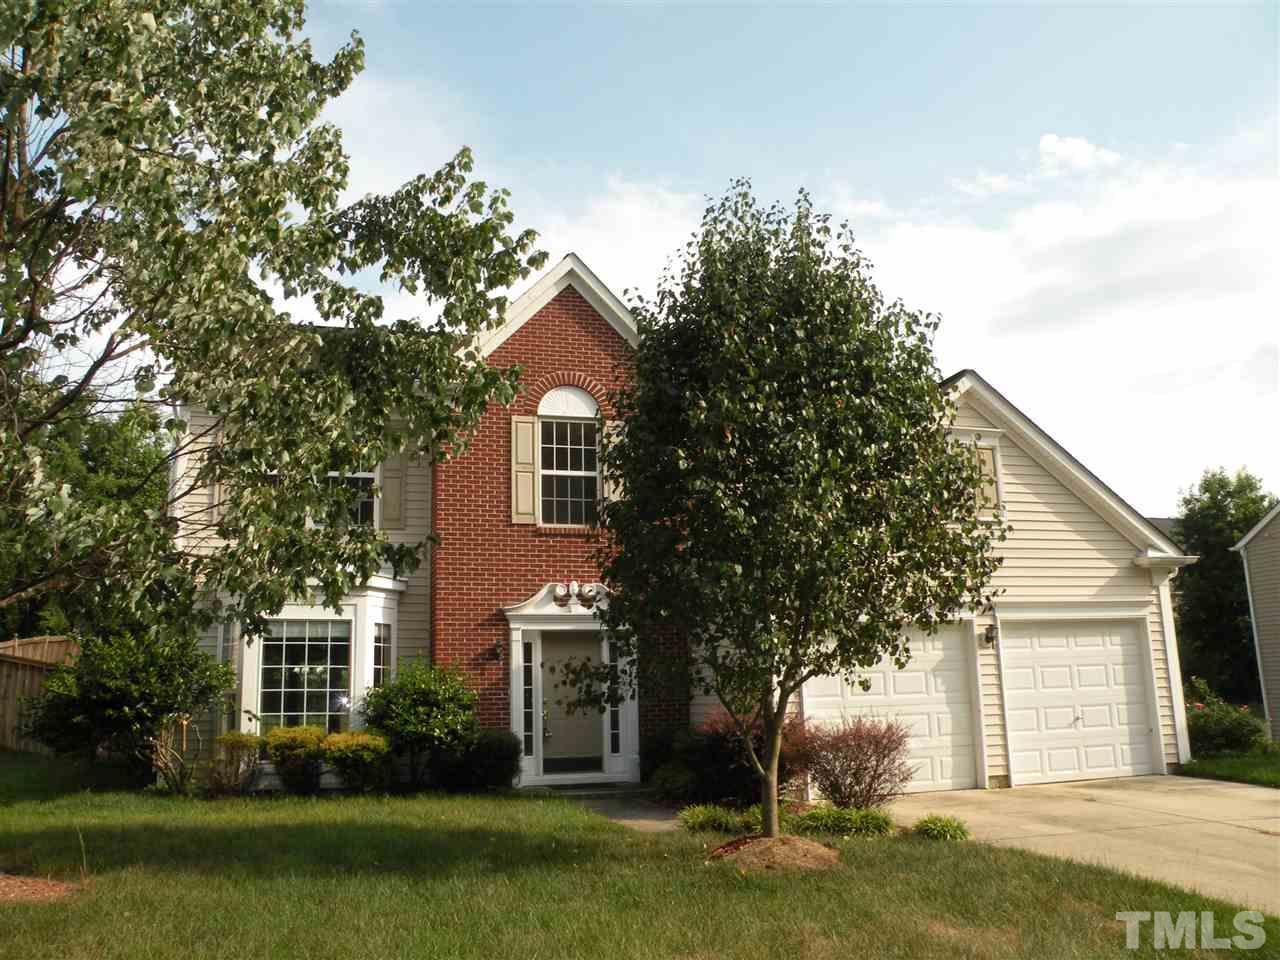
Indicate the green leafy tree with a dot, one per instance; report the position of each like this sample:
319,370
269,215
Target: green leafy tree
164,174
1215,638
104,460
788,496
121,693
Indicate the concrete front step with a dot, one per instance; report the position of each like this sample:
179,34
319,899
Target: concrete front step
598,791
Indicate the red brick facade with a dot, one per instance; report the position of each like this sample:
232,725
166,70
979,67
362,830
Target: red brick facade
484,562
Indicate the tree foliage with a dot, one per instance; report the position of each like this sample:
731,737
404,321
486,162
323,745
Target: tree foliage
164,175
1215,638
121,693
789,499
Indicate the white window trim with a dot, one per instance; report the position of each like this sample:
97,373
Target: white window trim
537,469
364,609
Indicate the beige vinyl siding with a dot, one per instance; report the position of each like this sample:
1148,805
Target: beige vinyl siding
1262,554
414,639
413,627
1060,549
196,512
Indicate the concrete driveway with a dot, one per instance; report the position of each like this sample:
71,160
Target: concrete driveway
1222,839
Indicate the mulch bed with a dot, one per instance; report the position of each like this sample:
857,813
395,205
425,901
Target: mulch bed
776,853
32,889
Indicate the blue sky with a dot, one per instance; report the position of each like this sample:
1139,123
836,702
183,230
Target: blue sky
1087,194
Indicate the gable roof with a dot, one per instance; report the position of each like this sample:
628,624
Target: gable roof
1257,529
569,272
1135,528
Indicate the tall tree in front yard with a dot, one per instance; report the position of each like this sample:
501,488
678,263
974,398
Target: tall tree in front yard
164,179
788,498
1215,638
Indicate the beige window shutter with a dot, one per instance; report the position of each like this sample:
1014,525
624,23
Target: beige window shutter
990,490
524,470
609,488
392,492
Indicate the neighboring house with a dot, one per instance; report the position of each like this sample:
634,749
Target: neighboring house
1260,551
1073,675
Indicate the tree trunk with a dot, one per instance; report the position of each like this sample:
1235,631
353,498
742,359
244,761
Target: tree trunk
770,822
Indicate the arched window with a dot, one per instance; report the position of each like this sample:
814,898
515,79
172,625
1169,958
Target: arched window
568,475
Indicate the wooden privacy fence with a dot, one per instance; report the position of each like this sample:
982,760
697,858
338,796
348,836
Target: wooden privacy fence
24,664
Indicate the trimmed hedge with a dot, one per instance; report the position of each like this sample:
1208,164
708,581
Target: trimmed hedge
362,760
297,753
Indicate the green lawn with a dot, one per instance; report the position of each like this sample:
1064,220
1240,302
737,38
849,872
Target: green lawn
1261,768
520,877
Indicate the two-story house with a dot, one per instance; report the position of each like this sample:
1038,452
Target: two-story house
1073,675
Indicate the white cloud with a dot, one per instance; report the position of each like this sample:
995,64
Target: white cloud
1129,306
627,234
983,185
1073,154
1136,318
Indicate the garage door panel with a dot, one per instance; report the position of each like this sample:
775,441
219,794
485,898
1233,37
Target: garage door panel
1077,701
931,697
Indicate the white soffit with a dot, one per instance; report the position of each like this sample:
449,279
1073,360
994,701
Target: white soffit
570,271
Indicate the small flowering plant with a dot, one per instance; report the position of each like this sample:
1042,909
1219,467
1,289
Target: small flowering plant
1216,726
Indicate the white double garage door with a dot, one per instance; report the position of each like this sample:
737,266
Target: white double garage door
1077,702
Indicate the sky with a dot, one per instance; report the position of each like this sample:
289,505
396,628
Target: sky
1087,195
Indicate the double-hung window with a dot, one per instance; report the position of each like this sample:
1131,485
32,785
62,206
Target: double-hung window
569,478
568,471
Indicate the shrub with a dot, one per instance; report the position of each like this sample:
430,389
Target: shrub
234,765
1216,726
935,827
122,696
842,822
673,783
861,762
297,753
361,759
715,818
424,711
489,762
711,765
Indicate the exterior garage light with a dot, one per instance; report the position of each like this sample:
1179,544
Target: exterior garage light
991,635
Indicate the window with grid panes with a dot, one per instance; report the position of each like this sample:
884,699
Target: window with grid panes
570,479
306,674
382,653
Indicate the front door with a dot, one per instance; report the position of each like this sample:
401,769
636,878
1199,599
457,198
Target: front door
572,741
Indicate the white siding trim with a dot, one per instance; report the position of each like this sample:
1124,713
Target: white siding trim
1257,527
1153,694
1004,698
1175,672
975,691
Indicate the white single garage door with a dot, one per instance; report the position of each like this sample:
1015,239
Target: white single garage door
931,696
1077,700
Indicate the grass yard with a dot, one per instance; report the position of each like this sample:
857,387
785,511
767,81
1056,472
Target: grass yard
1261,768
514,876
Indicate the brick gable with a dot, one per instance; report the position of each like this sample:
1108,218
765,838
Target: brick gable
484,562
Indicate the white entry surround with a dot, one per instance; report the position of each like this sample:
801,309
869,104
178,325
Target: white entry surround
565,607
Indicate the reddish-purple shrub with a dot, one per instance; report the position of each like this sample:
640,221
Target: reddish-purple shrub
860,762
